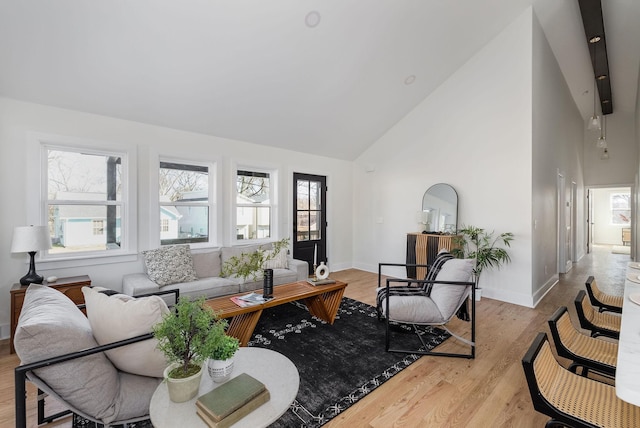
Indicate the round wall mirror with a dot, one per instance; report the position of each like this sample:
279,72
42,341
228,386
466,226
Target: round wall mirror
440,209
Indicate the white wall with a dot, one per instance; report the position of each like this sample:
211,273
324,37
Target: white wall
19,118
473,132
556,149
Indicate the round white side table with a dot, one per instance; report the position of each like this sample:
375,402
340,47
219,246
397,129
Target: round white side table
276,371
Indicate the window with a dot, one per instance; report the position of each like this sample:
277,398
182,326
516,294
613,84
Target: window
84,202
184,203
253,204
620,208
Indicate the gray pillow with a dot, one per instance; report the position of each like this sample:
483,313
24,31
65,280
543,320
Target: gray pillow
207,263
170,265
50,324
449,297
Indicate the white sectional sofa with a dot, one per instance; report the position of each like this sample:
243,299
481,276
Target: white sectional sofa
208,281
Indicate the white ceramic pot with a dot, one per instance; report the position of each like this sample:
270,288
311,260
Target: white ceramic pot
478,294
181,390
220,370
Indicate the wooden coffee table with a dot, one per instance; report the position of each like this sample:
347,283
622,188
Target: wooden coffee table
323,302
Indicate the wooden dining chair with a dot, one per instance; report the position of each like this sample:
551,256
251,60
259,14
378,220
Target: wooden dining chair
599,323
601,300
584,351
570,399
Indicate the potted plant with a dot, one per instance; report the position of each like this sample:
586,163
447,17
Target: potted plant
488,251
250,264
220,363
187,336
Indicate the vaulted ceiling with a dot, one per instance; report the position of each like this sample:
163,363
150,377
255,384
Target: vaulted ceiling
325,77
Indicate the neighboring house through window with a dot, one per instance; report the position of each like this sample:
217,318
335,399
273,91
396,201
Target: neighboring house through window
254,204
185,202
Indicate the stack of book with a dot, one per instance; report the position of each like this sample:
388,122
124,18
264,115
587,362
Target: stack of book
250,299
231,401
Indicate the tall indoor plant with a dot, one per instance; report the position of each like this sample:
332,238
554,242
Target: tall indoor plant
488,250
188,336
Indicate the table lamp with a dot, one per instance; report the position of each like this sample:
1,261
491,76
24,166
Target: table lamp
31,239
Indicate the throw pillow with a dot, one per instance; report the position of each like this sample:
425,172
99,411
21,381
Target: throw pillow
449,297
120,317
50,324
170,265
278,260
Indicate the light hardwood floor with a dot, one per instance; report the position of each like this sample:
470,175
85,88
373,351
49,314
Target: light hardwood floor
489,391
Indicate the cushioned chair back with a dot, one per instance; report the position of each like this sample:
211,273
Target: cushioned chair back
450,297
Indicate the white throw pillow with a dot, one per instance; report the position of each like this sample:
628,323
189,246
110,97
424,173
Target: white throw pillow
120,317
278,261
170,265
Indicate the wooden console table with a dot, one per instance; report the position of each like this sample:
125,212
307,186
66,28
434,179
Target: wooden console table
323,302
422,249
70,287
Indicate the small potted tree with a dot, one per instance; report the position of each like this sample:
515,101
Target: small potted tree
220,363
187,336
488,251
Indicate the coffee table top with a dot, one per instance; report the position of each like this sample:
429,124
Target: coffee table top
273,369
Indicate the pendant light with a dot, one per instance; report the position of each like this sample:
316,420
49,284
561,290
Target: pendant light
601,142
605,154
594,121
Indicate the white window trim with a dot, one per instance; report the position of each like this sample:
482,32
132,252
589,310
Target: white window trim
214,206
273,197
37,144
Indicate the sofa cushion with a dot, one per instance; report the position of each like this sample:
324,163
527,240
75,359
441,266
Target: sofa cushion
448,297
50,324
278,260
120,317
206,263
169,265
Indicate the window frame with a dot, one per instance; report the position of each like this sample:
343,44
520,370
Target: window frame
273,203
212,204
38,146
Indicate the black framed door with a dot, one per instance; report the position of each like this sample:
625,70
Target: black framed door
309,218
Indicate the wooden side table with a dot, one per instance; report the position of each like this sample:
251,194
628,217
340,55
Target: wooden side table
70,287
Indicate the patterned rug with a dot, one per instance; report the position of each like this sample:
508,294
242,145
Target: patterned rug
339,364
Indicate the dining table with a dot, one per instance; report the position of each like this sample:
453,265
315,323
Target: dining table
628,364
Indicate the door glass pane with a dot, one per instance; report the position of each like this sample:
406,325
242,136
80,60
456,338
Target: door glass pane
84,228
181,224
315,218
303,226
314,196
303,195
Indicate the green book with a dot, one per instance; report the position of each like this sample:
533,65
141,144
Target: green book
230,396
238,414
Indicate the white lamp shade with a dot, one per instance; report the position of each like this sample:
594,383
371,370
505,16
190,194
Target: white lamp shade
594,123
30,238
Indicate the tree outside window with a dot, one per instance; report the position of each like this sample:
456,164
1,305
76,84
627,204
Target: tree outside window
253,205
184,203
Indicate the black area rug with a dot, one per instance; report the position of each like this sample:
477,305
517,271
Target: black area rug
338,364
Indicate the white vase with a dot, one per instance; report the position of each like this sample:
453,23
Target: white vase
478,294
184,389
220,370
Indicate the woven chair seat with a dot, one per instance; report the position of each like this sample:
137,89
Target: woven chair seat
600,323
585,351
606,302
585,399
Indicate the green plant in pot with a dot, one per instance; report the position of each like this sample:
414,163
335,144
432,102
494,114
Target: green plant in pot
220,363
251,264
187,336
487,249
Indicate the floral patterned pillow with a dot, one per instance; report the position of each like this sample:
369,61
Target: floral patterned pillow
170,265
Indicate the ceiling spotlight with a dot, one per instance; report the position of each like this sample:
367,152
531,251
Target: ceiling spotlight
602,77
594,39
312,19
409,80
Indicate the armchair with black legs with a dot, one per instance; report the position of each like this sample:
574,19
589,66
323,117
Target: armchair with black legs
433,302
